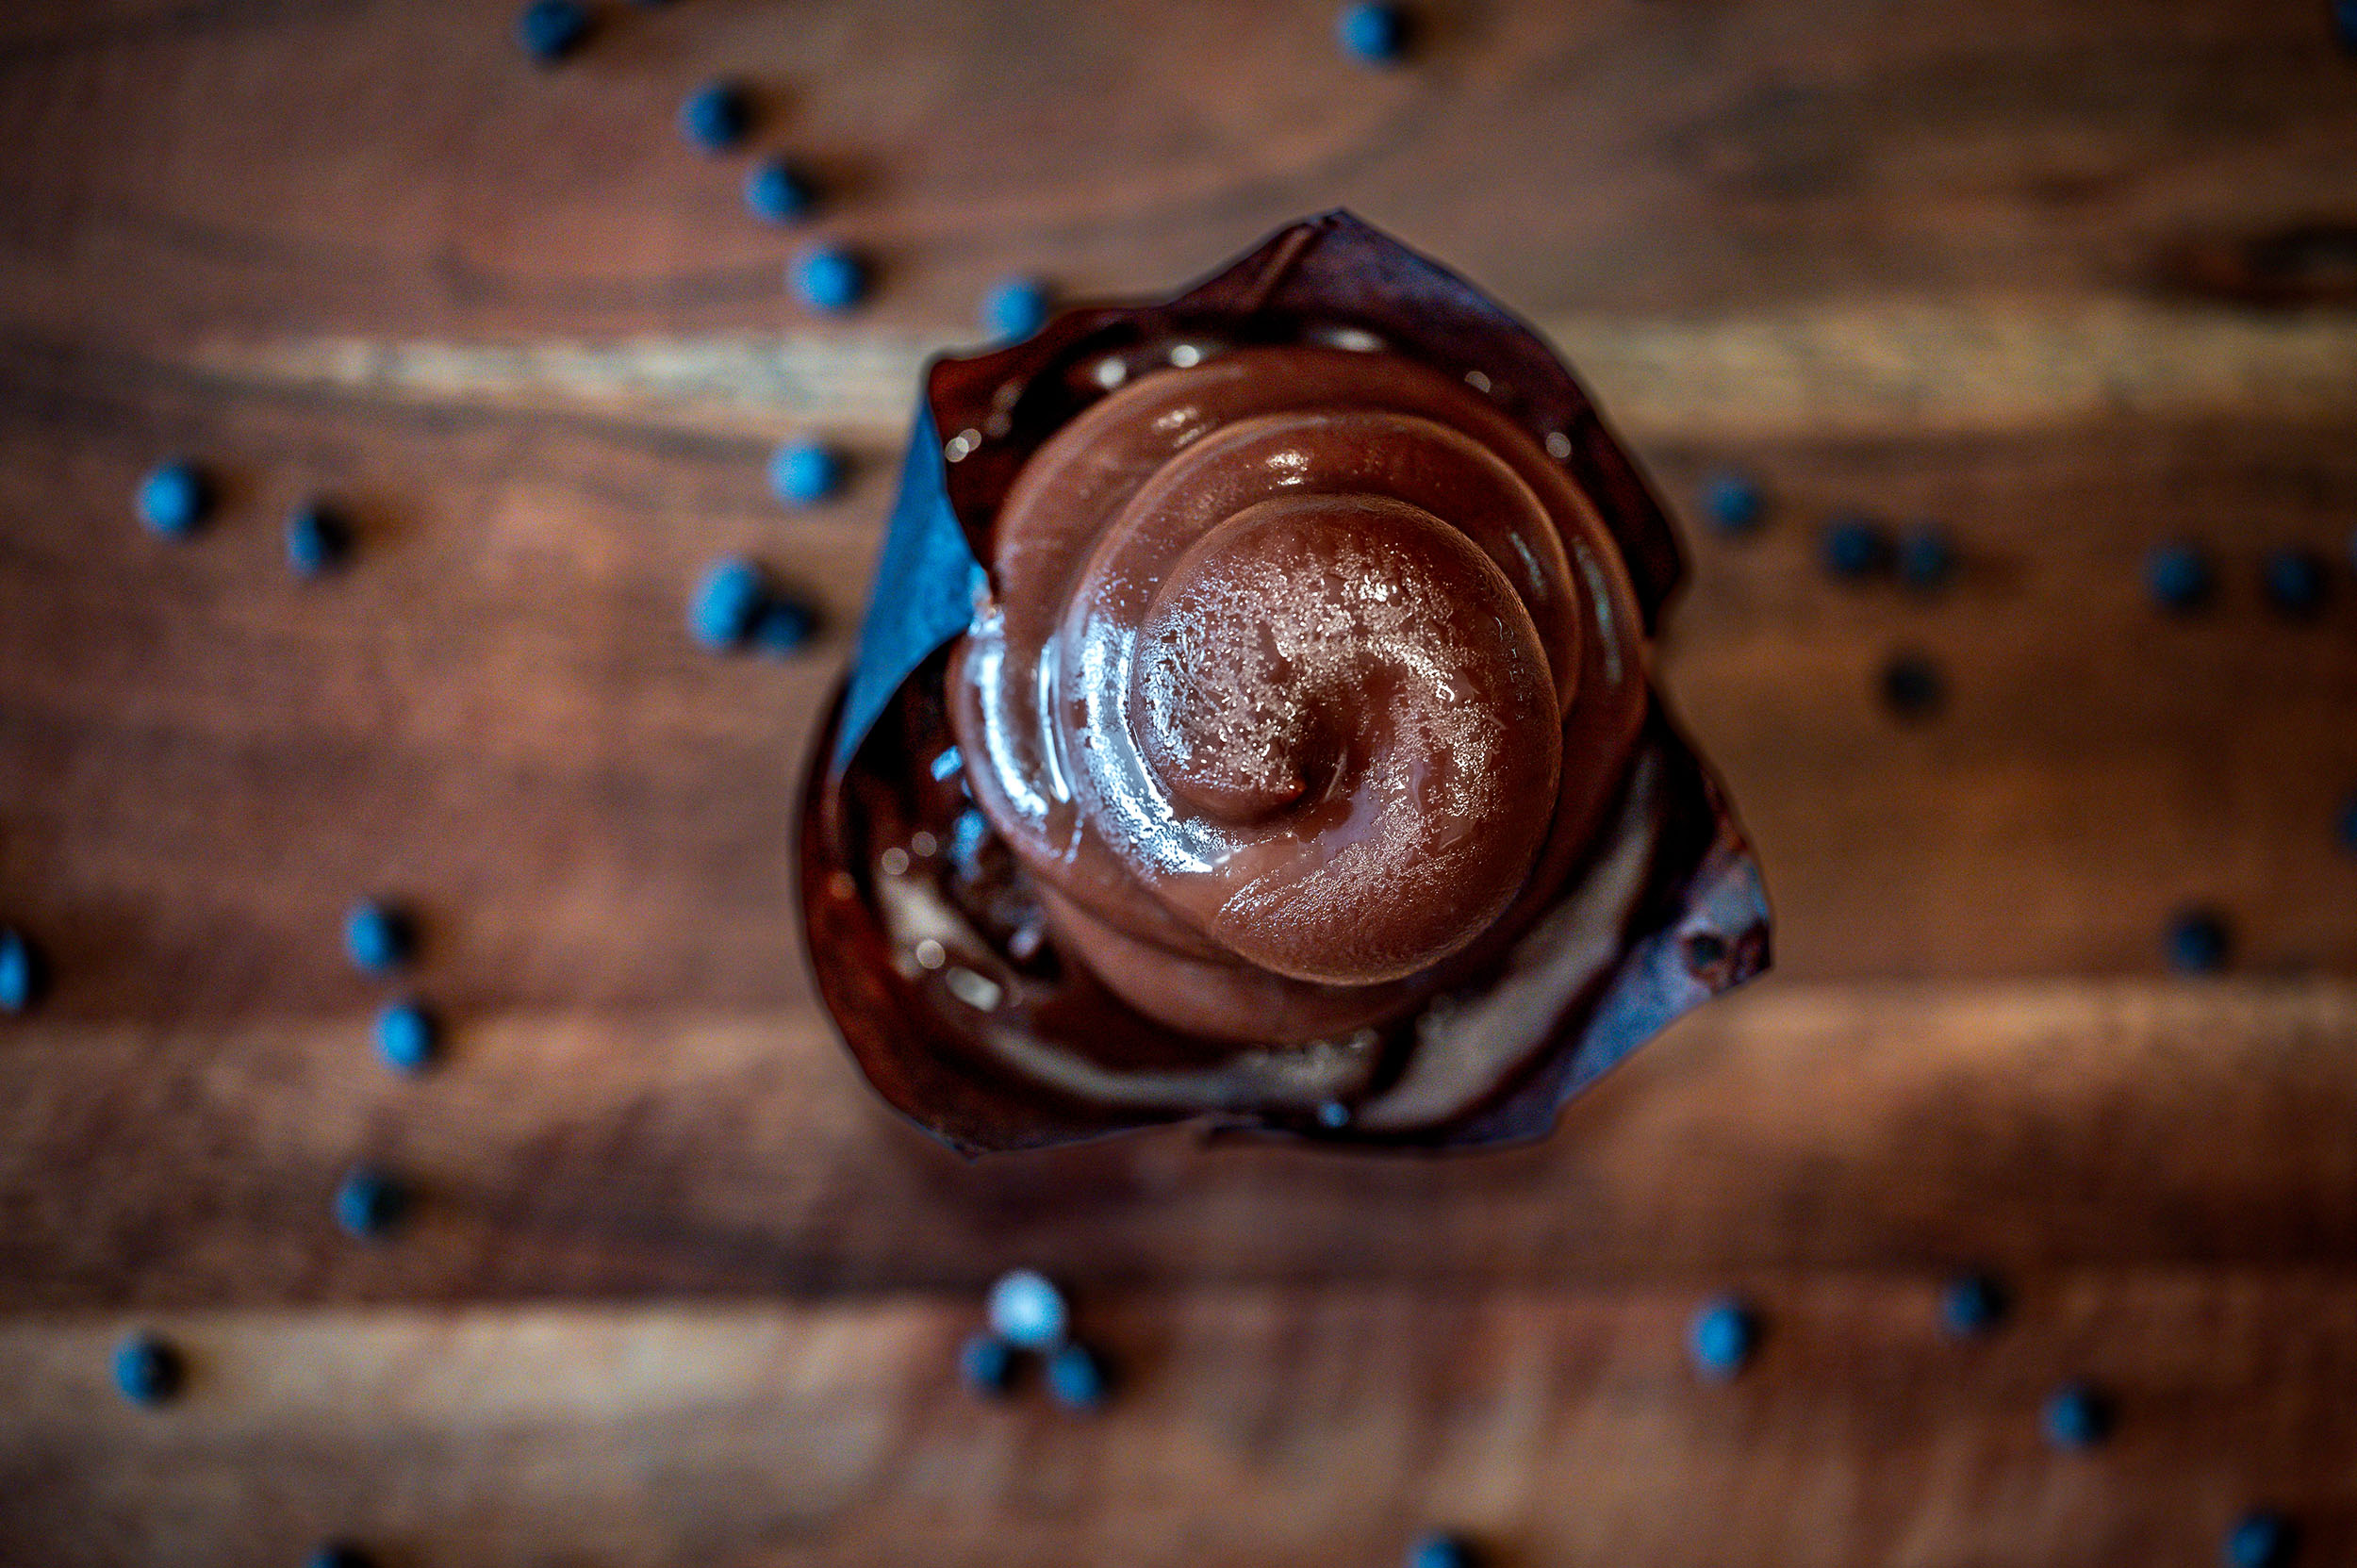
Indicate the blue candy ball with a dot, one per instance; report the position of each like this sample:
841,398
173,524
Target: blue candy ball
340,1554
552,29
377,937
1913,686
174,500
1027,1309
2199,942
1076,1377
829,279
2261,1540
779,192
1016,307
1441,1549
783,627
1972,1304
20,971
369,1203
1855,548
1372,32
804,474
1926,557
716,116
2295,583
318,540
727,603
147,1371
1733,502
986,1363
2077,1417
1722,1337
2178,575
406,1037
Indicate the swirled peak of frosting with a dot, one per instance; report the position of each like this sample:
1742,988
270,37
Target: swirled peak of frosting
1300,666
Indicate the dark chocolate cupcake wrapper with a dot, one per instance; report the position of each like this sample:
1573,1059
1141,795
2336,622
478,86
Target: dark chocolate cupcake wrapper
922,941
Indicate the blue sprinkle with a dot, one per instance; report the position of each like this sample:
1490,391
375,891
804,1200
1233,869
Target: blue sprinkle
1441,1549
369,1203
1016,307
831,279
1971,1305
1334,1115
1926,557
1373,33
2261,1540
2077,1417
2295,583
967,838
174,500
147,1370
20,971
779,192
2199,942
1722,1337
2349,824
804,474
2178,575
1027,1309
1733,502
986,1363
783,627
1076,1377
407,1037
377,937
552,29
728,604
716,116
340,1553
948,762
318,540
1855,548
1913,687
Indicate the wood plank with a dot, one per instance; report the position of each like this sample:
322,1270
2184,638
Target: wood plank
598,1153
1959,366
1254,1425
1656,159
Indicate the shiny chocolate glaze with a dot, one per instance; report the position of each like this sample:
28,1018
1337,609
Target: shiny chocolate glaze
1304,677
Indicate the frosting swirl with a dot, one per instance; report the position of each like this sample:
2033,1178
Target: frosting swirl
1303,676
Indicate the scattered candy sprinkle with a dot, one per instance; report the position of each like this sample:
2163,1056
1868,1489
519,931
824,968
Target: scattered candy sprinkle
377,937
716,116
829,279
174,499
1722,1337
147,1370
1027,1310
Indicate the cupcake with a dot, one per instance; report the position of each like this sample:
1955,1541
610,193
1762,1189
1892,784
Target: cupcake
1252,724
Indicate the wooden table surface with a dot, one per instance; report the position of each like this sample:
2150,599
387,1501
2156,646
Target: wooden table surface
2070,278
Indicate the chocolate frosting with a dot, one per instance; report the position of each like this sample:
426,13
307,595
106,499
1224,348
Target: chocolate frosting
1297,664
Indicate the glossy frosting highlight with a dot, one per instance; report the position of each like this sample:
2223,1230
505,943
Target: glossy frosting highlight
1304,678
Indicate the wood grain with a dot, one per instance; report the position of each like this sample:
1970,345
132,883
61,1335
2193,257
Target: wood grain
2031,1127
1255,1425
2067,278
